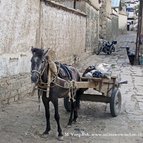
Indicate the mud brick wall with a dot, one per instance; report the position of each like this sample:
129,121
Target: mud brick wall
115,26
18,25
112,29
122,23
63,29
109,23
19,28
32,23
92,30
67,3
91,9
109,29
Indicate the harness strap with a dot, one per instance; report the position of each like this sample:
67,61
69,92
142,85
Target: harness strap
57,81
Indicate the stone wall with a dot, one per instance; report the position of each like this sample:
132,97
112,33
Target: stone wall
13,88
30,23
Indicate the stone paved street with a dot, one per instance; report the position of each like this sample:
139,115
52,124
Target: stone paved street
21,122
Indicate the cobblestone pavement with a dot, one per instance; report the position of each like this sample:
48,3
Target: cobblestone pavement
21,122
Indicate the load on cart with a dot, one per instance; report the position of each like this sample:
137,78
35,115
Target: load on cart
99,77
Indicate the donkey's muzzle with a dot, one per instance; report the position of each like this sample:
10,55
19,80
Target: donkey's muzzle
34,78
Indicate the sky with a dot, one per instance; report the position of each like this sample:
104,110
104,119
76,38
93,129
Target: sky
115,3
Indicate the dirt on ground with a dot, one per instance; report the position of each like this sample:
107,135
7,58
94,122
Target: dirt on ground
22,122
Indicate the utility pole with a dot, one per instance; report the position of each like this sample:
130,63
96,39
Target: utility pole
139,39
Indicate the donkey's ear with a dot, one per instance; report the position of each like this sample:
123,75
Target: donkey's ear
31,48
45,52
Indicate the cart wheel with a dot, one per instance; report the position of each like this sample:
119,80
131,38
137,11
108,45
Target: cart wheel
67,104
115,102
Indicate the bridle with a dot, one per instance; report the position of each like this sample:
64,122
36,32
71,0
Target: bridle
40,73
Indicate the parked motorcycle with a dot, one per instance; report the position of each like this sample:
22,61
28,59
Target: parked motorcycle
106,47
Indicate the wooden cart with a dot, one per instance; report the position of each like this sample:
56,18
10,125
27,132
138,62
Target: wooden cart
108,89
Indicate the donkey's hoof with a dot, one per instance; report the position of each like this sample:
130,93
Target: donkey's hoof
69,126
74,121
60,138
44,135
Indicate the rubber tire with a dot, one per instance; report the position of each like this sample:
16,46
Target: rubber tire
113,49
67,104
109,52
115,95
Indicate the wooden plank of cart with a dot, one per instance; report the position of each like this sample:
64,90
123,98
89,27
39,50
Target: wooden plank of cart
108,89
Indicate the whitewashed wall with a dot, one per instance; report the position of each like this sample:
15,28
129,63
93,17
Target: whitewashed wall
23,23
19,22
122,22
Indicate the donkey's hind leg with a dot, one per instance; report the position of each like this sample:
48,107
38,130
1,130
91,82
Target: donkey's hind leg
47,112
75,115
71,113
77,104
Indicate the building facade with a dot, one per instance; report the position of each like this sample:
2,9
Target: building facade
38,24
70,27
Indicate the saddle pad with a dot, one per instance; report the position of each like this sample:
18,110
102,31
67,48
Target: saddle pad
65,72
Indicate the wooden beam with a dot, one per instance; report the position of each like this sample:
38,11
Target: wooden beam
95,98
86,84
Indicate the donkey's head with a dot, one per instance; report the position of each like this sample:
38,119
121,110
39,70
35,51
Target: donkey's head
38,64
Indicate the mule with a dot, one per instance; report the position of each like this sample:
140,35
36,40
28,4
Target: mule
39,76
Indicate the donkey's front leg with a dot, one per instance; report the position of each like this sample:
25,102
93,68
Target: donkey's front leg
57,118
47,112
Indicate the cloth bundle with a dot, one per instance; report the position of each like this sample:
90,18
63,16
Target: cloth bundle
98,71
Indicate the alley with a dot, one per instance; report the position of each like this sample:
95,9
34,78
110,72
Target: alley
21,122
